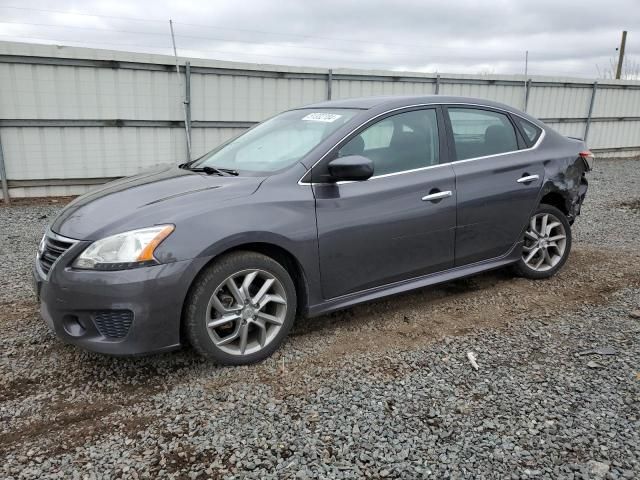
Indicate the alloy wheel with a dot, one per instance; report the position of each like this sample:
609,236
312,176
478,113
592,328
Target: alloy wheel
545,242
246,312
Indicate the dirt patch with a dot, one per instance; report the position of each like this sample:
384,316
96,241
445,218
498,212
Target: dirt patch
19,202
633,205
64,425
62,417
19,387
70,431
81,397
184,456
12,312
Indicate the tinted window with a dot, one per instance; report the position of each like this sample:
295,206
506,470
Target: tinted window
531,131
378,136
398,143
478,133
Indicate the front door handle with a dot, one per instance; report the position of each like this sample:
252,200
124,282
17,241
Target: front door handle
528,178
432,197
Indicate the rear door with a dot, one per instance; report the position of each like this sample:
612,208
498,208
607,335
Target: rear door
400,223
498,179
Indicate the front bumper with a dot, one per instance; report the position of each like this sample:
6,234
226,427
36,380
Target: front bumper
72,302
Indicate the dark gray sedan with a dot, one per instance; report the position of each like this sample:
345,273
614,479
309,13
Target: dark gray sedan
316,209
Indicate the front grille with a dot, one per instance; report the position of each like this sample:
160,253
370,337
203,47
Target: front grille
52,248
113,323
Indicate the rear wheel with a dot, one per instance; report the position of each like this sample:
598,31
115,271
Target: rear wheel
547,243
240,309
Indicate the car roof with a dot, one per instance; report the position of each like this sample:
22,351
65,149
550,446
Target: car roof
398,101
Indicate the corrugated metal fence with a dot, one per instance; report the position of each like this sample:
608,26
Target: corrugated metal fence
73,117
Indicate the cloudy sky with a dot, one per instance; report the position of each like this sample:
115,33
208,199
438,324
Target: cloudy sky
563,37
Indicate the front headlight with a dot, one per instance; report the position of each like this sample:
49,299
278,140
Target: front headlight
124,250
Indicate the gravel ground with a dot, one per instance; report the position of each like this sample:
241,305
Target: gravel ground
383,390
611,213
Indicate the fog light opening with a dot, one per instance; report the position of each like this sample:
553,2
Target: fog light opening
73,326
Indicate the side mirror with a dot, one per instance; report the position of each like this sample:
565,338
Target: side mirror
350,168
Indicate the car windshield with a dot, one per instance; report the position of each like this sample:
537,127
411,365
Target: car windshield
276,143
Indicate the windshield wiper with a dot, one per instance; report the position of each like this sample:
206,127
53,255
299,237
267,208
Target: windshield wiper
207,170
230,171
210,170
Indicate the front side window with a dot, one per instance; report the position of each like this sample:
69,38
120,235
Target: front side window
405,141
277,143
478,133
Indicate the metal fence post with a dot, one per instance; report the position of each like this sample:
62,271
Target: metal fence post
437,84
527,90
591,102
329,82
187,103
3,177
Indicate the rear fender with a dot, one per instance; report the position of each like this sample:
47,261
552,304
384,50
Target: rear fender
566,180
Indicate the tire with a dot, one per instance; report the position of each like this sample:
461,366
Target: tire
557,255
232,327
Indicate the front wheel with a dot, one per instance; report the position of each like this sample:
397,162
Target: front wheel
547,243
240,309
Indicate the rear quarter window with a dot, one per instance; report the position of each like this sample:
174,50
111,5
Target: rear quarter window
530,131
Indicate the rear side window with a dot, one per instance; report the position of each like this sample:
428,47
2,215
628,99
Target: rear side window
531,132
478,133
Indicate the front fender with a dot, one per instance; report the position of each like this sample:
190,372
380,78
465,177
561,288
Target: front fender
249,237
283,217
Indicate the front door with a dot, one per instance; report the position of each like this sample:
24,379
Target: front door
400,223
498,179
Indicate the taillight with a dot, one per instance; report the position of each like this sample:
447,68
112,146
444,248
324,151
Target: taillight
588,157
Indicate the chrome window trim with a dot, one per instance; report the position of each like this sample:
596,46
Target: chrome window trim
533,147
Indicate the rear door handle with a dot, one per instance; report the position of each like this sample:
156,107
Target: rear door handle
528,179
436,196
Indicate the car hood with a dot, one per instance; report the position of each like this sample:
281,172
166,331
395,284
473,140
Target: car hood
157,196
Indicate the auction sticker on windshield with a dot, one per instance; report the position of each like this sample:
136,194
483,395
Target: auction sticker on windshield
322,117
